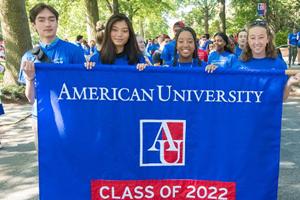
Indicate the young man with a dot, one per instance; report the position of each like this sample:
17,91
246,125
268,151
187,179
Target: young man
167,54
51,49
292,42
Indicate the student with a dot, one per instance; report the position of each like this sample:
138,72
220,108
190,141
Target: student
260,53
223,56
142,47
51,49
242,41
119,44
167,54
186,47
292,42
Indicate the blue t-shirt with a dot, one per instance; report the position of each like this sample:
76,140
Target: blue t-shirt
121,59
237,51
167,55
60,52
205,45
293,39
262,63
152,48
224,59
298,38
1,109
194,63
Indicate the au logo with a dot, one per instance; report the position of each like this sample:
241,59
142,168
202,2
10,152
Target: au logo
162,142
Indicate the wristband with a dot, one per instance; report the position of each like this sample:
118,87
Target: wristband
30,79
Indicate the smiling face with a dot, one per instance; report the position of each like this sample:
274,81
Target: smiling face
258,40
119,35
46,25
219,43
185,46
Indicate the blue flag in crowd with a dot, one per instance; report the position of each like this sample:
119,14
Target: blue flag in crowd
164,133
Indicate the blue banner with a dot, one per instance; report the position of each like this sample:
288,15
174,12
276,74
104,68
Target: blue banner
164,133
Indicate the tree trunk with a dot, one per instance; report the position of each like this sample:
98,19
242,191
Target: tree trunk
222,15
142,32
206,18
92,16
115,6
16,35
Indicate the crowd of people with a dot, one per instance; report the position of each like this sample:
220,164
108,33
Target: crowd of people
117,43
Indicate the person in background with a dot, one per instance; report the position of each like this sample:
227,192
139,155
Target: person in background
99,36
298,45
223,56
51,49
242,41
292,42
167,54
202,53
78,42
142,48
93,47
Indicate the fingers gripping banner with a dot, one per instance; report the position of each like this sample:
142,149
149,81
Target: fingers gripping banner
164,133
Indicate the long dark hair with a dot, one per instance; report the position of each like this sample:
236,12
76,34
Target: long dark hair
226,39
108,49
195,53
270,48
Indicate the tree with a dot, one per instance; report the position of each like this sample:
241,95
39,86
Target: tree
222,15
92,15
202,13
114,7
17,38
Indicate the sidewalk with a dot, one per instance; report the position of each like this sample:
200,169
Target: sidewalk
18,159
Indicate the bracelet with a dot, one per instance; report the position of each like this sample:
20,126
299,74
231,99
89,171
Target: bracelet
30,79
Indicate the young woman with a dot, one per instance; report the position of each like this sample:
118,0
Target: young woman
186,49
119,44
260,53
223,55
242,41
142,47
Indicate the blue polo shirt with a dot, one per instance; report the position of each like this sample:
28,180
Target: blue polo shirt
121,59
1,109
262,63
224,59
60,52
167,55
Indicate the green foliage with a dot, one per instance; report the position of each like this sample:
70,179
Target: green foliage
13,93
281,37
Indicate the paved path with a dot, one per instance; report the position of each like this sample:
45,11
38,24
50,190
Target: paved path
18,160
